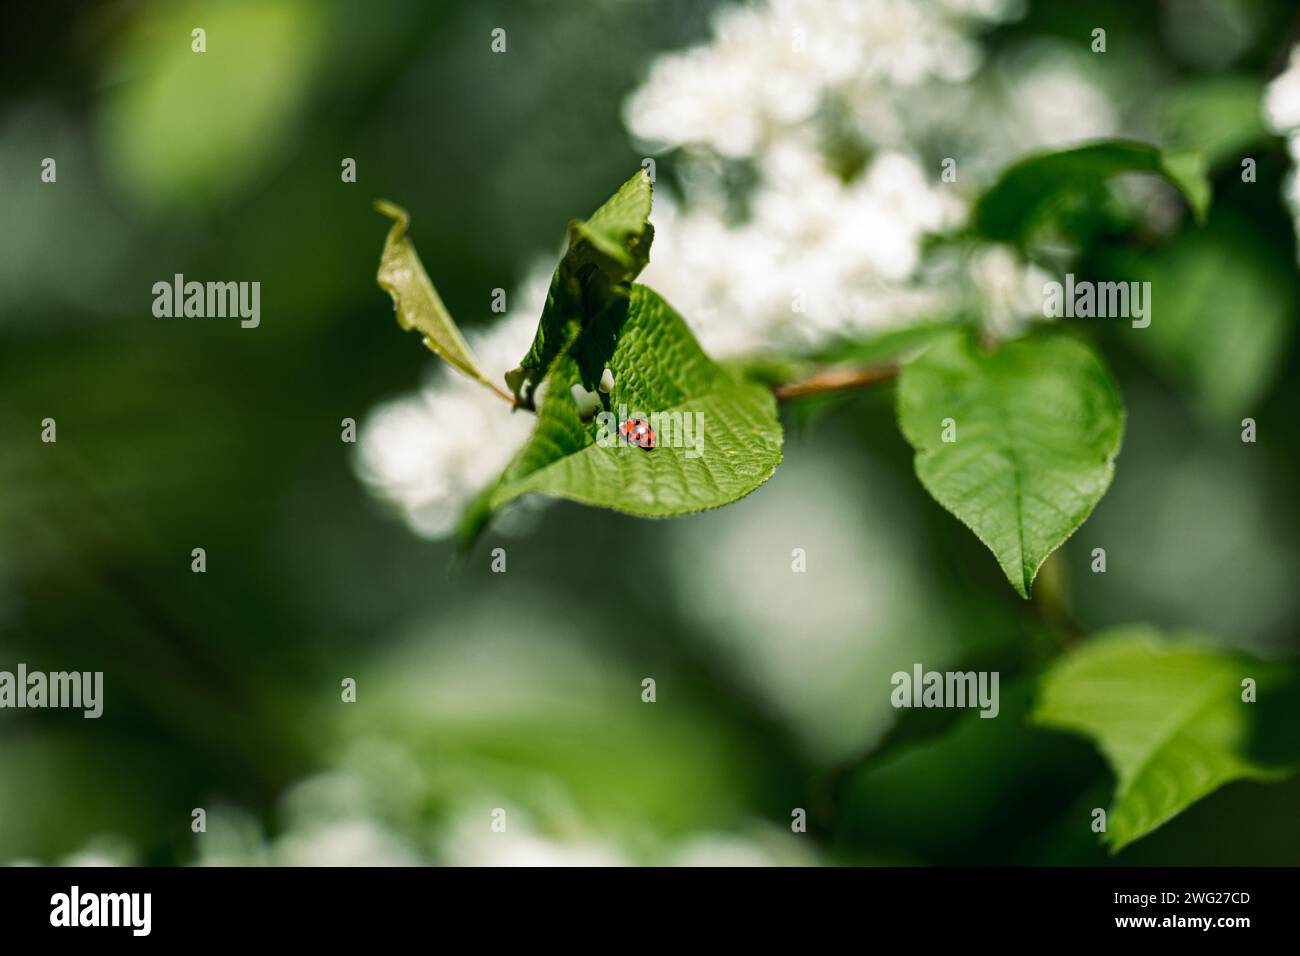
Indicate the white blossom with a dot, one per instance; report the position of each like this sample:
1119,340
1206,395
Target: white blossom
1282,98
1009,292
470,841
1282,112
769,66
355,842
818,255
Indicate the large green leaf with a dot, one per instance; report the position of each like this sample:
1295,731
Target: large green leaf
605,253
660,372
416,301
1028,191
1167,715
1037,424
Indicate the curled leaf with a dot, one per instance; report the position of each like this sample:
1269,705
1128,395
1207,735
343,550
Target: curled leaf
605,253
416,301
718,436
1027,192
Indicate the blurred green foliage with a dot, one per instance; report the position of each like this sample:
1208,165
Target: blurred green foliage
524,687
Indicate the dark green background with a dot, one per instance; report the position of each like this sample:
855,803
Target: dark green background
185,433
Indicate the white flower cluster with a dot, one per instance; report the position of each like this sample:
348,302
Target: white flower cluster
1282,112
816,257
770,66
820,253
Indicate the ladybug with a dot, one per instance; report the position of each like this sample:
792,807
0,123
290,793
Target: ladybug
637,431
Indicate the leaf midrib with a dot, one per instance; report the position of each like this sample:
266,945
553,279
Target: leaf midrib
1014,454
1168,730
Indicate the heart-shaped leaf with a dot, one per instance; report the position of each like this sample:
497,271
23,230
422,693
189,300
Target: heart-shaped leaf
1168,716
1018,443
718,436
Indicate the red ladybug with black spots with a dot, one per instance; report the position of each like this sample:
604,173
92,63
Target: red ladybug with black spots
637,431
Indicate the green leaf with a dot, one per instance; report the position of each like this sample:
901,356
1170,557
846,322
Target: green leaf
617,237
1167,715
416,301
605,253
1037,425
661,374
1028,191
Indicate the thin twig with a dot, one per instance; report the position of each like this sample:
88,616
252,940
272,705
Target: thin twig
836,380
503,393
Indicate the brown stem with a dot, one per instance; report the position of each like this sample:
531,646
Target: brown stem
503,393
828,380
836,380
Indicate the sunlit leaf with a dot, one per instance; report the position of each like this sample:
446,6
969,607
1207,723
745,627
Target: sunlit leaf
1019,443
660,373
1168,716
416,301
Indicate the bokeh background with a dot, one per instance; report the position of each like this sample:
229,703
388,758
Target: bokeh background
522,690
